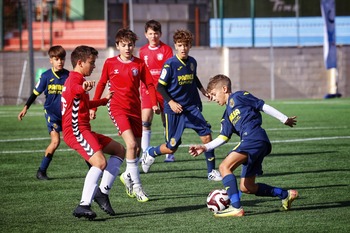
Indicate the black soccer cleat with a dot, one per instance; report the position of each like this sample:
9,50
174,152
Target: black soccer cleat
41,175
103,201
84,211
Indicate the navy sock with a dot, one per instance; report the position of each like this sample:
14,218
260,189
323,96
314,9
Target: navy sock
265,190
230,184
210,159
45,162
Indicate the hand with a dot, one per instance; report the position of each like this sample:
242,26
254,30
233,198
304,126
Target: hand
88,85
156,110
109,95
205,93
291,121
22,113
176,107
196,150
92,114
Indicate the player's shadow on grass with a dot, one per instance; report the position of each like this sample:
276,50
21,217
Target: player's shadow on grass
166,210
177,196
300,153
295,208
175,170
303,172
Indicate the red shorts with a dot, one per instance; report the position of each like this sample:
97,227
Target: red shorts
87,143
125,122
146,99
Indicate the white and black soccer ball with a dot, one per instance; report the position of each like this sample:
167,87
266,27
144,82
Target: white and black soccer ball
218,200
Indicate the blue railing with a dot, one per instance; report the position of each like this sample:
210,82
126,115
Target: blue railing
304,31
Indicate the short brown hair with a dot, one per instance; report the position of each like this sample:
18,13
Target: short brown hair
183,36
154,25
57,51
125,34
219,81
82,53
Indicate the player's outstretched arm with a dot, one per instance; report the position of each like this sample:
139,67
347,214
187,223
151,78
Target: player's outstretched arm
291,121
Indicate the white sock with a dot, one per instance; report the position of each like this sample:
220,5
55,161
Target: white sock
90,185
146,139
133,169
109,174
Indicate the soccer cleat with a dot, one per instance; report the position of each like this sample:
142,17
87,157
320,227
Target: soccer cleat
84,211
147,161
287,202
140,195
103,201
230,212
169,158
41,175
214,175
127,182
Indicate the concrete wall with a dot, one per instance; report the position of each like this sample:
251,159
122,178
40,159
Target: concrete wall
298,72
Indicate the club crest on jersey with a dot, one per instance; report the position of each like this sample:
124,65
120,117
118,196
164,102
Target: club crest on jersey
135,72
160,56
231,103
172,141
55,126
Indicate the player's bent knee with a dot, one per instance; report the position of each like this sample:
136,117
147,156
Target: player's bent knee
172,148
246,189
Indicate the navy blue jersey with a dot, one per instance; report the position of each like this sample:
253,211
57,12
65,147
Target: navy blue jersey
242,117
179,80
51,83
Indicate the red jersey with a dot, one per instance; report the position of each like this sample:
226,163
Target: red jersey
155,57
75,105
124,78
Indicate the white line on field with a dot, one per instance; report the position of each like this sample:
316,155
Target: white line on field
184,145
188,131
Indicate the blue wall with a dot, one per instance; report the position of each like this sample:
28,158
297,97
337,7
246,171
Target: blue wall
284,31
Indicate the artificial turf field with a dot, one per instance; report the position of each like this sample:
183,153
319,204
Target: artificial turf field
313,157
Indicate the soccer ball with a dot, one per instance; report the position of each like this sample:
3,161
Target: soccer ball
218,200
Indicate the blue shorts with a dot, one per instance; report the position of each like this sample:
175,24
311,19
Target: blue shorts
256,150
175,124
53,122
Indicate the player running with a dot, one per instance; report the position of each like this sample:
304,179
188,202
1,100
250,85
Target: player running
154,53
90,145
51,83
179,84
242,117
123,73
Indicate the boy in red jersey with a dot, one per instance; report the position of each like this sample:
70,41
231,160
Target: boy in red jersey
77,134
124,74
154,53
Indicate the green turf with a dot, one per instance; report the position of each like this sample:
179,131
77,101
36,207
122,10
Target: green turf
313,158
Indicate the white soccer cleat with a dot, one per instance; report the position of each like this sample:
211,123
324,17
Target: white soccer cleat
126,180
214,175
147,161
140,194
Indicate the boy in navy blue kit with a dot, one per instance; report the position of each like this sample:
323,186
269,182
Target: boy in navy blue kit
242,117
178,84
51,83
